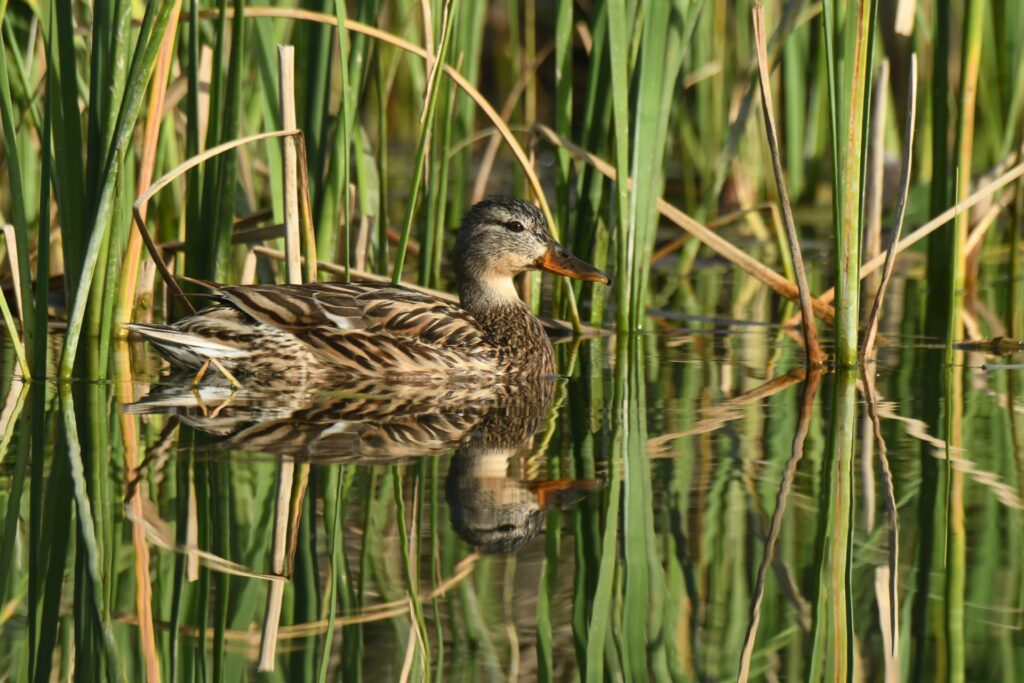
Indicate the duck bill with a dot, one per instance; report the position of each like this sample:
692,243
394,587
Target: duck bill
559,261
562,491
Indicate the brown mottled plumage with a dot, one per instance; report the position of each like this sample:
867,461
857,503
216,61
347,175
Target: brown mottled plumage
369,329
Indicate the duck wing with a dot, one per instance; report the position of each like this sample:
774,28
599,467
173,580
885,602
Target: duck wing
370,326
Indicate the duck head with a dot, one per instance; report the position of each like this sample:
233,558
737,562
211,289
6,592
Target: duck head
494,510
502,237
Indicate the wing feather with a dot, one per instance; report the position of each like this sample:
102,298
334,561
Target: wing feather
350,307
369,327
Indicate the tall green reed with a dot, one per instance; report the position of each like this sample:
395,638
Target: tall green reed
653,89
849,86
429,111
623,98
20,221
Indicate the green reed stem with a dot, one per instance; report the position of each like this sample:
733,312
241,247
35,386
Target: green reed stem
956,535
338,196
410,563
602,615
660,61
973,32
334,542
40,334
14,492
563,111
75,207
644,577
849,89
154,23
833,653
618,47
429,109
87,531
19,220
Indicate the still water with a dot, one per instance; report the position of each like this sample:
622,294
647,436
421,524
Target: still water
680,506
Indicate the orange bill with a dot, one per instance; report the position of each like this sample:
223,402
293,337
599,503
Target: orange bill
558,260
555,491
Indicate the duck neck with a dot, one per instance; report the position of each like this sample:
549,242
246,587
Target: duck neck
508,323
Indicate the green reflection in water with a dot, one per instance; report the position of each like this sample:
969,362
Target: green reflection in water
680,508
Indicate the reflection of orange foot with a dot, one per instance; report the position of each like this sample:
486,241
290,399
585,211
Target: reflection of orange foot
224,371
223,404
555,491
200,402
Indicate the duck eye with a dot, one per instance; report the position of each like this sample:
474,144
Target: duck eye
515,226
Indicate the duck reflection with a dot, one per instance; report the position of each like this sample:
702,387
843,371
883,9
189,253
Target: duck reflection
496,511
495,505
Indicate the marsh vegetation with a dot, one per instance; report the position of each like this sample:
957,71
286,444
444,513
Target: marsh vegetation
788,442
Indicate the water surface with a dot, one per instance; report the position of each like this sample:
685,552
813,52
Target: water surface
614,523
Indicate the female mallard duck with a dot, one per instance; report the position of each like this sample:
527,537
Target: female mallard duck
370,329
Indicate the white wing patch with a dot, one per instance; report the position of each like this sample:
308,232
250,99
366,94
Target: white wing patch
202,346
345,322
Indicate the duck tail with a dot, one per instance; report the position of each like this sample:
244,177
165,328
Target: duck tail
184,349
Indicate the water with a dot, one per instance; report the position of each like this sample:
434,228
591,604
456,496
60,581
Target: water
613,524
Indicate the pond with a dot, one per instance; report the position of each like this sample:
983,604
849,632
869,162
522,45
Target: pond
677,506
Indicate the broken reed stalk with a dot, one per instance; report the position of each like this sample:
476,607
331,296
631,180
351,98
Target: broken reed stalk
815,356
275,591
150,139
871,331
980,195
138,207
871,401
722,221
293,269
286,82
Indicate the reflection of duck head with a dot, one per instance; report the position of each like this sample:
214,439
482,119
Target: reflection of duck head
492,509
492,505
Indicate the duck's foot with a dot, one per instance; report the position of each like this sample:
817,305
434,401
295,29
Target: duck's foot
224,371
199,375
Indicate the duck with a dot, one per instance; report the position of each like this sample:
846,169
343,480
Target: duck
388,331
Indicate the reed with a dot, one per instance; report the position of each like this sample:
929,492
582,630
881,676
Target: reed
849,87
629,124
633,105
